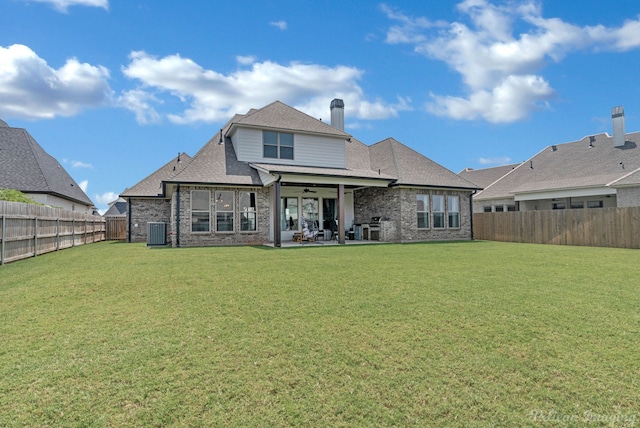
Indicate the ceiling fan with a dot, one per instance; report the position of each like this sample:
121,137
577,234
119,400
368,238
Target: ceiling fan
306,190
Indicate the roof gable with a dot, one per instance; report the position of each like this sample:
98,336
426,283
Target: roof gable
278,115
25,166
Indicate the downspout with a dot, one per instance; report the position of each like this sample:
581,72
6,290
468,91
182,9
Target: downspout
129,218
471,211
178,216
277,233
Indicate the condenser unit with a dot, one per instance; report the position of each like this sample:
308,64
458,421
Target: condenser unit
156,233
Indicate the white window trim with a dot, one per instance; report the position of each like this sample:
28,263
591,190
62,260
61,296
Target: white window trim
200,232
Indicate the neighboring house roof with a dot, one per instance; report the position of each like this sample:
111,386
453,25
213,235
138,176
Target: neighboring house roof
117,208
278,115
151,186
590,162
26,167
631,179
411,168
485,176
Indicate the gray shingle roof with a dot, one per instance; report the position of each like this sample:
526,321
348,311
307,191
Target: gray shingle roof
590,162
217,163
25,166
117,209
151,186
631,179
485,176
278,115
412,168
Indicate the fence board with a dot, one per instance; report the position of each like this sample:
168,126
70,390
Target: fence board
116,228
29,230
597,227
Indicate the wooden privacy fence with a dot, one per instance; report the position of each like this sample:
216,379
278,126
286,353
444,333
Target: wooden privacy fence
116,228
29,230
595,227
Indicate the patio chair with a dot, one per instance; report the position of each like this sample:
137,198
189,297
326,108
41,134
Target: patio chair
308,234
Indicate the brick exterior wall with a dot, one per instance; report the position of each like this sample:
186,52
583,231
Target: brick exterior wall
190,239
628,196
397,207
143,211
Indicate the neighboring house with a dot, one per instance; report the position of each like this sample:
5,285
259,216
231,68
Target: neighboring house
117,208
596,171
266,170
26,167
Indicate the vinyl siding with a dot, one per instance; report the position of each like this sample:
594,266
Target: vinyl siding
308,150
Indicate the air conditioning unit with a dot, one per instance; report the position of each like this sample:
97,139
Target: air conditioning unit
156,233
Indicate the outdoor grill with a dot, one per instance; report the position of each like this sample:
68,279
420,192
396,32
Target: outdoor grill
371,230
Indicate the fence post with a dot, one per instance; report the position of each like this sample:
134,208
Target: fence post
35,236
73,232
57,233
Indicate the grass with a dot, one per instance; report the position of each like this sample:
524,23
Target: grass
446,334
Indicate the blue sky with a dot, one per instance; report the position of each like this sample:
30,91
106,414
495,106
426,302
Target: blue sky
114,89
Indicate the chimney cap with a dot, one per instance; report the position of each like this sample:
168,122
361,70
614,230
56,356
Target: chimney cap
337,102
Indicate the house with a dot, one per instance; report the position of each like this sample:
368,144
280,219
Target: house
594,172
26,167
117,208
267,171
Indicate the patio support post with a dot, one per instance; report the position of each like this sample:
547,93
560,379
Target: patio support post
277,238
341,224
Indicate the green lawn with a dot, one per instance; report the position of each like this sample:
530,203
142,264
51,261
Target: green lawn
443,334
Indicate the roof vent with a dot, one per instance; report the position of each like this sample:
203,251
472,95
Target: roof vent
617,117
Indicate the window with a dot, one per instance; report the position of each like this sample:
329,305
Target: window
595,204
486,209
453,206
423,211
289,214
438,211
224,211
511,207
577,204
277,145
200,210
499,208
558,206
248,211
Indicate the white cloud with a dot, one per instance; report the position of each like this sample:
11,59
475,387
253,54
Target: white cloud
139,102
84,185
63,5
279,24
495,161
213,96
31,89
78,164
106,198
245,60
502,71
